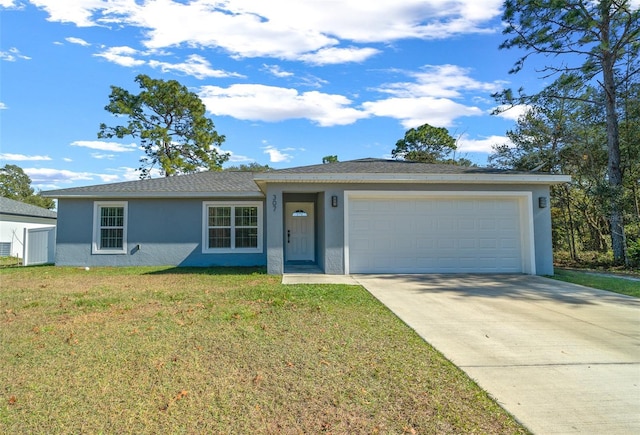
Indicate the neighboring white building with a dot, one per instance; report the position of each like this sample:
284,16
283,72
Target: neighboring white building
15,216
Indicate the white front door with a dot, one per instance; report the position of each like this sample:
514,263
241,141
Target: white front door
299,231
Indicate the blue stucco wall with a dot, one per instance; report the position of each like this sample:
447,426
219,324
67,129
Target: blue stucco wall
169,232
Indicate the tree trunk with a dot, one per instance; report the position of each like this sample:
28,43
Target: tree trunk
570,225
614,171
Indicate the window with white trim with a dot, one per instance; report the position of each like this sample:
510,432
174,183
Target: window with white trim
110,227
232,227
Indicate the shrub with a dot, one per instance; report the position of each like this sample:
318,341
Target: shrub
633,251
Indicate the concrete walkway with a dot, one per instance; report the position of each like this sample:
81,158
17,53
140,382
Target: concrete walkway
561,358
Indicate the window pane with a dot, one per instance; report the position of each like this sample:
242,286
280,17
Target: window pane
246,238
112,216
219,216
219,237
246,216
111,238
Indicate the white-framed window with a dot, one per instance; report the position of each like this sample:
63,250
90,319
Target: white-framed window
109,227
232,227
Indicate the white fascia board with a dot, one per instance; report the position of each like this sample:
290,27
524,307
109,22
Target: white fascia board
414,178
141,195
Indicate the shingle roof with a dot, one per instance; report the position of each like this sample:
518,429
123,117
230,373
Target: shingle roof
17,208
400,171
383,166
249,184
209,183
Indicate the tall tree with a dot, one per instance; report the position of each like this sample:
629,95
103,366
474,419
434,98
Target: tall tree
16,184
171,124
602,36
427,144
565,135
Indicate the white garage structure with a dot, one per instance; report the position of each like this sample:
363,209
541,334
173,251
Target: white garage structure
27,232
439,232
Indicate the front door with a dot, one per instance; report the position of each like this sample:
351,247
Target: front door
299,231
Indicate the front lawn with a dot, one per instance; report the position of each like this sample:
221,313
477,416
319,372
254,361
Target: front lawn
151,350
600,280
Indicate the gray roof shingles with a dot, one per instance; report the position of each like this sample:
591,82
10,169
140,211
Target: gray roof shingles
200,182
240,182
17,208
383,166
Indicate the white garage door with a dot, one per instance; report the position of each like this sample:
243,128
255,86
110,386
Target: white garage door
436,235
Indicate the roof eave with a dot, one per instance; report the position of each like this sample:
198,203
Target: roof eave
4,213
144,195
262,179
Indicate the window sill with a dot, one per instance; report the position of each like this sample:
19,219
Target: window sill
233,251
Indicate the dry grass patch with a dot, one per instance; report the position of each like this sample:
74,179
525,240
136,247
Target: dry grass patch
219,351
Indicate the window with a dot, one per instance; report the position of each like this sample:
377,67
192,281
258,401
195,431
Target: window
109,228
232,227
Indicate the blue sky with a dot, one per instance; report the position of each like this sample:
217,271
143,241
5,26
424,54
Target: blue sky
287,82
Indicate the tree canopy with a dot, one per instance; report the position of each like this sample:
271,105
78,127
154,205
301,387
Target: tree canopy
589,43
428,144
16,184
251,167
171,124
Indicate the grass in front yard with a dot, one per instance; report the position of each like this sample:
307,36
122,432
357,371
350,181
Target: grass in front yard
10,261
593,280
150,350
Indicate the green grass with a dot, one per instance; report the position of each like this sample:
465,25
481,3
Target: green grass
594,280
165,350
10,261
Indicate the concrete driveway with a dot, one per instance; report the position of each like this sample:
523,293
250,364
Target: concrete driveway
559,357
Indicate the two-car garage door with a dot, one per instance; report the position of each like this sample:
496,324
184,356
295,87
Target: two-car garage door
392,233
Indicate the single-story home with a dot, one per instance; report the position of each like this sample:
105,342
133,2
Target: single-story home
15,217
359,216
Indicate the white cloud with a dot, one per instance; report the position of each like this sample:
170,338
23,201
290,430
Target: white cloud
195,65
105,146
269,103
101,156
444,81
125,173
335,55
49,178
67,159
123,56
281,28
80,12
276,71
78,41
276,155
512,113
484,145
22,157
237,158
413,112
52,177
9,4
3,106
429,98
12,55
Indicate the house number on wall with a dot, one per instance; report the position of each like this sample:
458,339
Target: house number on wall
274,203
